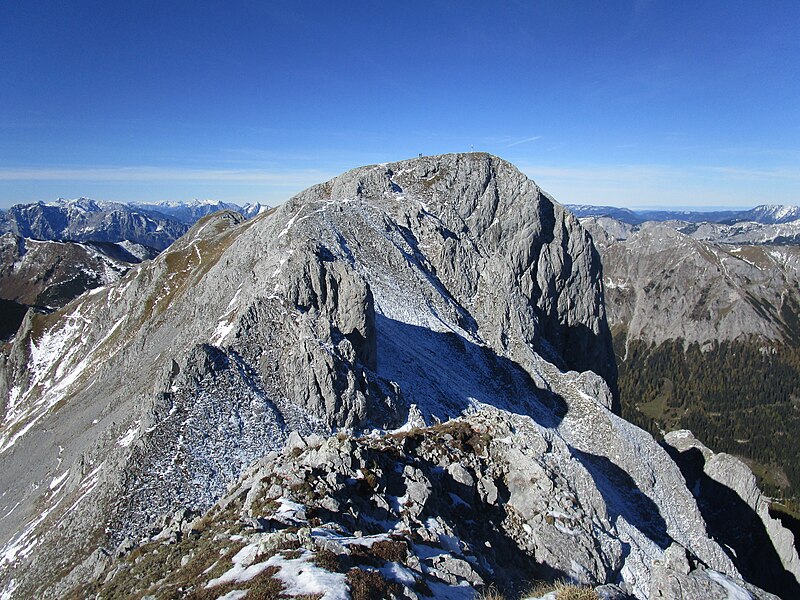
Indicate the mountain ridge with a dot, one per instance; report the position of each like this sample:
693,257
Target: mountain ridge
83,219
428,289
766,214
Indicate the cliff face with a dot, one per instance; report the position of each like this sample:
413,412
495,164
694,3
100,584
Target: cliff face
409,292
662,284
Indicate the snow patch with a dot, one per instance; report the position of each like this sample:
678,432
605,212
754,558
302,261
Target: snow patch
127,439
290,510
57,480
301,576
242,569
734,591
290,223
221,332
234,595
397,572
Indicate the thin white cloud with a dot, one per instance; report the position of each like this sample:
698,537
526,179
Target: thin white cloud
523,141
292,178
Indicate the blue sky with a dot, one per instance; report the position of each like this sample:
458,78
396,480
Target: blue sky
635,104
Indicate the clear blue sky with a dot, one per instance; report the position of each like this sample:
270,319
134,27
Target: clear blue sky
627,103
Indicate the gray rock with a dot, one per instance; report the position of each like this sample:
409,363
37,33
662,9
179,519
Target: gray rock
762,547
460,474
701,583
450,282
487,490
454,570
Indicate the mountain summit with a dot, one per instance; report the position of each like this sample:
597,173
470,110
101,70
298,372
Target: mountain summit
392,296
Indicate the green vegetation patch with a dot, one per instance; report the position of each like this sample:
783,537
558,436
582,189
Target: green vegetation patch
739,397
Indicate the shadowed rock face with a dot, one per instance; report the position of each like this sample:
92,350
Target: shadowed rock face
450,283
738,515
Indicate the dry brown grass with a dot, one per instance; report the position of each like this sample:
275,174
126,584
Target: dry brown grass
563,590
569,591
489,593
368,585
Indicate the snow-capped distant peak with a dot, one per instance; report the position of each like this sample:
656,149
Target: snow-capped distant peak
194,203
774,213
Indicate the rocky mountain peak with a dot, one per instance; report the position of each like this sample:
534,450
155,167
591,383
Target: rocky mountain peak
394,295
502,247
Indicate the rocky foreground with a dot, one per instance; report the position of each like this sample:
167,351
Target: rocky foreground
481,502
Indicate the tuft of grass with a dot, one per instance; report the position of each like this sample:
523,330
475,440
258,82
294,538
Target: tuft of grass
202,593
563,590
538,589
390,550
265,586
489,593
570,591
325,559
368,585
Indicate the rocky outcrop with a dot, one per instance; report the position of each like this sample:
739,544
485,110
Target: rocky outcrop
677,577
486,501
738,514
451,284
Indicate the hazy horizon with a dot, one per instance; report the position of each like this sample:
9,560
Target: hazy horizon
644,208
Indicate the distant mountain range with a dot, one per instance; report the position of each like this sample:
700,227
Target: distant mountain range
83,220
766,214
191,212
53,252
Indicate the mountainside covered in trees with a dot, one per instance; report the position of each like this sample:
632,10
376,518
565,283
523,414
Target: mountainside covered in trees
400,382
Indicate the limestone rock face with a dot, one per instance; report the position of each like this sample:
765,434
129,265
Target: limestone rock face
390,296
677,578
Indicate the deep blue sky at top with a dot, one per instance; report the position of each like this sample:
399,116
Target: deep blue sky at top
628,103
